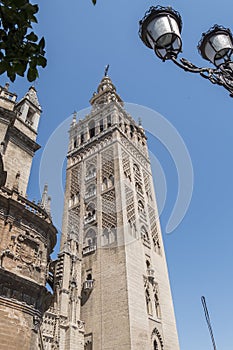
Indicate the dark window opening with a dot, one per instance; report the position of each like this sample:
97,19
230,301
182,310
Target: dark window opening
109,121
91,126
101,125
156,345
89,277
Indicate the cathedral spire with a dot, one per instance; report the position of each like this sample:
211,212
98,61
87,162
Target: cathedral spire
31,95
106,92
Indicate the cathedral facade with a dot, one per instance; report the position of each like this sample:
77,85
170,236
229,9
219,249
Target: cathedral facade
110,281
27,235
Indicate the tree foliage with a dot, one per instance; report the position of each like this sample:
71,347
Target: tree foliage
21,51
20,48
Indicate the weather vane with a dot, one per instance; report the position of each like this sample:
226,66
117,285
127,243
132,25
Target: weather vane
106,70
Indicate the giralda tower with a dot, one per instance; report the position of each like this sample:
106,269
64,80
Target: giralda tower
112,286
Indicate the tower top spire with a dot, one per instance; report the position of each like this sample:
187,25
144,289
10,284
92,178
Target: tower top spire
31,95
106,91
106,70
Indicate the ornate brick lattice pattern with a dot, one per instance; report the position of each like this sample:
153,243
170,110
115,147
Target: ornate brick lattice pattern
147,185
126,165
109,215
107,163
134,151
130,205
74,211
75,180
153,227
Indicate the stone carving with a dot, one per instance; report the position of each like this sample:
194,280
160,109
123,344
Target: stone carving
27,250
36,323
16,183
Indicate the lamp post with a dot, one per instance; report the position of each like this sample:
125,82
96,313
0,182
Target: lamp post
160,30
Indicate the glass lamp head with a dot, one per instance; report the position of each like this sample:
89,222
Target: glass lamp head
160,30
216,45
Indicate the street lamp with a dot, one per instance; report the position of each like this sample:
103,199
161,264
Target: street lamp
160,30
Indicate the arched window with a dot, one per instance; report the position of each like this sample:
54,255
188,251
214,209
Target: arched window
30,117
140,207
138,188
131,130
148,302
105,237
156,244
91,172
90,213
81,138
91,191
136,169
109,121
90,238
132,228
111,179
101,125
112,235
141,210
90,210
155,345
126,128
91,127
145,235
157,305
157,341
105,184
147,264
88,346
89,277
120,121
72,200
109,236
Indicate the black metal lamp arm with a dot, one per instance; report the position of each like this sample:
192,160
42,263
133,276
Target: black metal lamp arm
223,75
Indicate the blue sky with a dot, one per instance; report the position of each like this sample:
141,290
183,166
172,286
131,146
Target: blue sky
80,40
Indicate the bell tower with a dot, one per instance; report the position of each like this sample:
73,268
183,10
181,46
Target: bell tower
27,235
112,283
19,124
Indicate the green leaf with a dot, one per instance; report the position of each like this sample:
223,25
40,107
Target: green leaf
34,20
32,74
19,46
42,43
32,37
20,68
3,67
11,74
41,61
20,3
